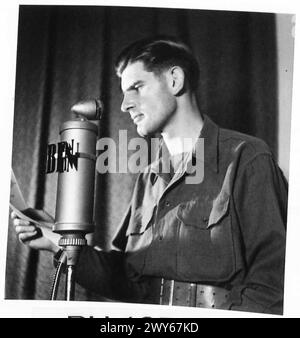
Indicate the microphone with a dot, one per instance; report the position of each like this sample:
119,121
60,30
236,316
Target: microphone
90,109
74,216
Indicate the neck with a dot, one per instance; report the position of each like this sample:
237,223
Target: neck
183,130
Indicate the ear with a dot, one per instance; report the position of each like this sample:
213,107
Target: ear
176,79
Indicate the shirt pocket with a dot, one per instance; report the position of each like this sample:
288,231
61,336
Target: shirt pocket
205,240
203,214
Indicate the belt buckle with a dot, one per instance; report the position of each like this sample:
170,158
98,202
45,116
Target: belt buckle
210,296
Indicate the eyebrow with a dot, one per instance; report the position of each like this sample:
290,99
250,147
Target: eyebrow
132,86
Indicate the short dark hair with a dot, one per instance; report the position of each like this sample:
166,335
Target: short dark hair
159,53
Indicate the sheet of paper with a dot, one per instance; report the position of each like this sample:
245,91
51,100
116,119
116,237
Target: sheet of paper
18,205
16,196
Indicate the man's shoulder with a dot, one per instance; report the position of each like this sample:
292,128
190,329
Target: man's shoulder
236,141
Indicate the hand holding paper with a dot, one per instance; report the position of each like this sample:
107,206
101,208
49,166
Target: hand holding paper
33,227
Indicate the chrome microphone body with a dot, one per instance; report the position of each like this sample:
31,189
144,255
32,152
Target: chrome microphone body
76,184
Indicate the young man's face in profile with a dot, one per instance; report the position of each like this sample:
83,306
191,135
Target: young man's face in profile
147,98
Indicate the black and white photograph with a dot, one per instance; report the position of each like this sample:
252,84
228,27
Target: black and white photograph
151,158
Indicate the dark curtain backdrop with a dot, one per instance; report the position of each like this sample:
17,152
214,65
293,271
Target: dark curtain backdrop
66,54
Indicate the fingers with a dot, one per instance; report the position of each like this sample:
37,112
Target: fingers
26,236
24,229
25,232
13,215
20,229
20,222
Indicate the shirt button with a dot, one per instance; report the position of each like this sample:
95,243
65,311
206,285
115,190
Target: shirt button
168,204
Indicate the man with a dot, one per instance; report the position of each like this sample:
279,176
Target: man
217,243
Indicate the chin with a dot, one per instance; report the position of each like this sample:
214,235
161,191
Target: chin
142,132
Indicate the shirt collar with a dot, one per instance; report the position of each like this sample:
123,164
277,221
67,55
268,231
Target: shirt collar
161,165
210,134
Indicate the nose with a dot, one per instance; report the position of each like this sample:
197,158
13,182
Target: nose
127,104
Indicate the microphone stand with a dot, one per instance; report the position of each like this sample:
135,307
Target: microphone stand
72,244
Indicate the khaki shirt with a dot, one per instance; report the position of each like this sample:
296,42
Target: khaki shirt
226,230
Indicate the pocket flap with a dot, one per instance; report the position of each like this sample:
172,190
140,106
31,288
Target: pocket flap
203,214
219,209
140,220
194,213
